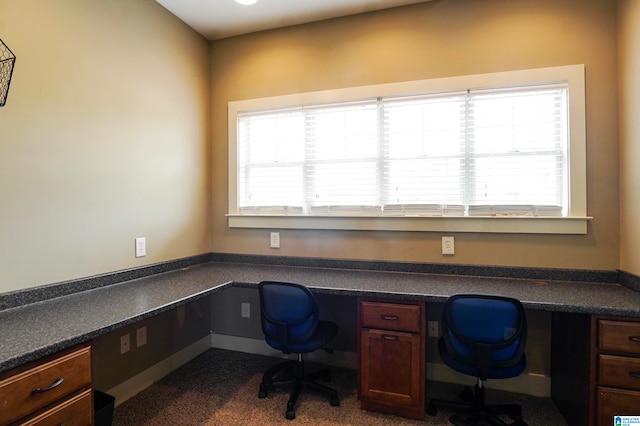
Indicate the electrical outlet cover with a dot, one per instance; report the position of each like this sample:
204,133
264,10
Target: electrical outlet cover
125,343
141,336
246,310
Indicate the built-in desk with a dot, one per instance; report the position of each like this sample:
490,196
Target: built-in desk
36,330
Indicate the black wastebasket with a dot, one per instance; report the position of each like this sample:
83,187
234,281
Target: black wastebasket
103,404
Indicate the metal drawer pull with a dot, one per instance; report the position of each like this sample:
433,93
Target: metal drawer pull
634,374
635,339
389,317
387,337
53,385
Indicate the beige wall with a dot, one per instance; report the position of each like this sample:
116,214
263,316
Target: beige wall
104,138
436,39
629,60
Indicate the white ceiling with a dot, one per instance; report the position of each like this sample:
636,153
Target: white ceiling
216,19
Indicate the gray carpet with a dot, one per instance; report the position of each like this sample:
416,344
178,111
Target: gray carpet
221,387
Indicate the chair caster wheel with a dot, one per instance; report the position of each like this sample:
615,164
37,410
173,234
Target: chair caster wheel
335,402
290,415
262,393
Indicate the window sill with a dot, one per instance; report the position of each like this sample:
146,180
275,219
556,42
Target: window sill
488,224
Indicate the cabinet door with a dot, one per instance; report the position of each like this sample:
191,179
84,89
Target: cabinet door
390,367
616,402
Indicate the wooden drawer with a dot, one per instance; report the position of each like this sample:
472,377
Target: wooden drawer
391,316
43,383
619,336
619,371
75,411
616,402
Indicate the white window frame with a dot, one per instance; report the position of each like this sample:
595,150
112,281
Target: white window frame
574,223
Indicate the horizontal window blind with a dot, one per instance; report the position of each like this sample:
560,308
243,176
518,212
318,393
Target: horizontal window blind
271,156
342,145
473,152
518,143
424,140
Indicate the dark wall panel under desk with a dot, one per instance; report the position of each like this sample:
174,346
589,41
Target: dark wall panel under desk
226,315
167,333
571,365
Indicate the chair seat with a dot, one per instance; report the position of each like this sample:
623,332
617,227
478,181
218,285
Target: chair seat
325,331
472,370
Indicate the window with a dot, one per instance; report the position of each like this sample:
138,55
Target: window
473,149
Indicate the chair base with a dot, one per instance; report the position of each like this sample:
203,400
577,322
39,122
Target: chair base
477,413
290,374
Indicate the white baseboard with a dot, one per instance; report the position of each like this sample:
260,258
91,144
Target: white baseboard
528,383
260,347
143,380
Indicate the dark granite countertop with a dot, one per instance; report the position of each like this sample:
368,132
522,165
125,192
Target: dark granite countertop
38,329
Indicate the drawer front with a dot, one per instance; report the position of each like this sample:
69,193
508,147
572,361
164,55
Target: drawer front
30,390
75,411
391,316
620,336
616,402
619,371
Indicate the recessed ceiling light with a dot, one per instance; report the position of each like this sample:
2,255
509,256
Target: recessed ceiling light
247,2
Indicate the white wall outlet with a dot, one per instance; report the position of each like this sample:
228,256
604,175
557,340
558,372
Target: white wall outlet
275,240
245,309
141,336
125,343
448,247
434,328
141,247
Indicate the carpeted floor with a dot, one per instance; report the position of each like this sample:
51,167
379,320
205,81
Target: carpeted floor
221,388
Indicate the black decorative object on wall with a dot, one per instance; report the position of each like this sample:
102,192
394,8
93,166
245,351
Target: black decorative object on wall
7,61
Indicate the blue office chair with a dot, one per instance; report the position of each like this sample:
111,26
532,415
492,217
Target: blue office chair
291,324
482,336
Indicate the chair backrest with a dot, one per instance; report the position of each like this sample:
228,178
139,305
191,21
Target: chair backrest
289,312
488,331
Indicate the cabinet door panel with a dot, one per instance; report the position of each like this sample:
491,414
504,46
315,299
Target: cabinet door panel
389,366
616,402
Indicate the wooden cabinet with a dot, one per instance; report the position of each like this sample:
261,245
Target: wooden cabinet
55,390
595,367
617,369
391,353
